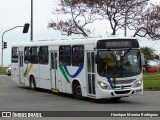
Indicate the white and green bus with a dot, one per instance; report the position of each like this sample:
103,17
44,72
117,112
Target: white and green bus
91,67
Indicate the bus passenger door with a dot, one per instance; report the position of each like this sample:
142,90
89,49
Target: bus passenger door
21,67
91,73
53,70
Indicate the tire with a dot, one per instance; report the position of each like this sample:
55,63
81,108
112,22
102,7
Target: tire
32,83
77,91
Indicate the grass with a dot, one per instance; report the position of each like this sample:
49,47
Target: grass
3,70
151,81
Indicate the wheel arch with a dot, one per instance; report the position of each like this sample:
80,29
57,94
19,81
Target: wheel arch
30,76
75,81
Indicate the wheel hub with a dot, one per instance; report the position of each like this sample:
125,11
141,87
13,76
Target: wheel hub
78,90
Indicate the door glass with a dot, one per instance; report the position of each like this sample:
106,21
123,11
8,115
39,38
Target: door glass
89,84
92,59
91,74
88,62
55,61
21,61
52,61
93,83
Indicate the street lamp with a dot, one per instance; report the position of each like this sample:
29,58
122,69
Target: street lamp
125,21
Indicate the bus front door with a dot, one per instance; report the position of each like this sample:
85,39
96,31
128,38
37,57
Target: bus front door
21,67
91,73
53,70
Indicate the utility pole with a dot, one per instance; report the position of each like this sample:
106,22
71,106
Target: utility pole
31,20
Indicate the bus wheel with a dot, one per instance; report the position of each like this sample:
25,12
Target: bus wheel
77,91
32,83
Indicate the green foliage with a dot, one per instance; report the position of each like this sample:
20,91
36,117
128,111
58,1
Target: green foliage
152,81
3,70
149,54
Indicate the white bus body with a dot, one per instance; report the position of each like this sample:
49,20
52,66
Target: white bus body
88,67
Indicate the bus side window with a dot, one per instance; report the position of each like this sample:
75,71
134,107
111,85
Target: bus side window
15,55
65,55
34,55
43,55
77,55
26,54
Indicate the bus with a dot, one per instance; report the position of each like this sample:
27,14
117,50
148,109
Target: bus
96,68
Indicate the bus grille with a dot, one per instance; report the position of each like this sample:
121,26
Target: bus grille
123,81
122,92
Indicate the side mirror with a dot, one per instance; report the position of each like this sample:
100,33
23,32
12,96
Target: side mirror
142,59
157,57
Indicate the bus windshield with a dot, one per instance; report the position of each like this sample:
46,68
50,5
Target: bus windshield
118,63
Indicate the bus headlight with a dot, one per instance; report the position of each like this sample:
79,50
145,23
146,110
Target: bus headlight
103,85
138,83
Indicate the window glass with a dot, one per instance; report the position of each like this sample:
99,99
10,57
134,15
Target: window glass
93,61
26,54
43,55
65,55
78,55
54,60
34,55
14,55
88,62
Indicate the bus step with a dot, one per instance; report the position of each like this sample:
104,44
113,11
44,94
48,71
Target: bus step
55,91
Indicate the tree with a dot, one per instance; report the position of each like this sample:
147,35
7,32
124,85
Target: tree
79,16
81,13
114,11
149,54
147,24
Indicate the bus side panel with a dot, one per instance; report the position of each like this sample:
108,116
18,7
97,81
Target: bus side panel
35,73
25,69
68,85
31,69
15,73
81,77
61,81
15,65
44,76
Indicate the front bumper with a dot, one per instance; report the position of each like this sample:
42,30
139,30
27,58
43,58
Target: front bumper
101,93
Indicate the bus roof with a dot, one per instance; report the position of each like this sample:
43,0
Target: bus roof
73,41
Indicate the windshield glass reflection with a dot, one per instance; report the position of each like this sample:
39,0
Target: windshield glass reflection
119,63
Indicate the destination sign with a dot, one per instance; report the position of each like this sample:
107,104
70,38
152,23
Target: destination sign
117,43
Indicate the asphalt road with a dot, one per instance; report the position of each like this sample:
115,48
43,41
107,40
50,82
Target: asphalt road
20,98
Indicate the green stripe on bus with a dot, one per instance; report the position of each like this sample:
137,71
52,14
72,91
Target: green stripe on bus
64,74
114,82
26,71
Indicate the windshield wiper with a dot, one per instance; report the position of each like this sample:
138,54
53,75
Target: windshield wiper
122,57
127,52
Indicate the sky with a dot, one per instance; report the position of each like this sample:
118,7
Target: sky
17,12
